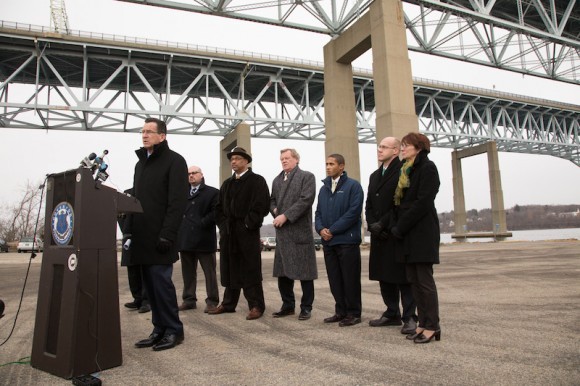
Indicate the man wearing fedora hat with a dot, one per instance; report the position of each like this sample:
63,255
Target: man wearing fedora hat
244,201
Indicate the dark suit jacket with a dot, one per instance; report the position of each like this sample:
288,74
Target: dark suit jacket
198,231
160,184
417,218
379,206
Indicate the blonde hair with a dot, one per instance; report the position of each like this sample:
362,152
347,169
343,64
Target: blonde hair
293,153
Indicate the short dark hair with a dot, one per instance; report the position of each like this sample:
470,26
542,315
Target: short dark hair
161,126
338,157
417,140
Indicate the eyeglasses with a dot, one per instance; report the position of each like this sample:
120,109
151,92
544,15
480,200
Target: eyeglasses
148,132
381,147
193,173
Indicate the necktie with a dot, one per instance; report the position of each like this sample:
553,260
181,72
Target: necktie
194,190
383,172
285,176
191,191
334,183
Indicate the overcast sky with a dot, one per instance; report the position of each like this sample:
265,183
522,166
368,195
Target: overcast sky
28,155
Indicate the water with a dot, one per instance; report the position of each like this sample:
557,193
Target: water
529,235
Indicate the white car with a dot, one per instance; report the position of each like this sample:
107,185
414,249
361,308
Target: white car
268,243
25,245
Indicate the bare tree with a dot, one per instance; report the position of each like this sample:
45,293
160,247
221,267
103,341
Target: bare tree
19,218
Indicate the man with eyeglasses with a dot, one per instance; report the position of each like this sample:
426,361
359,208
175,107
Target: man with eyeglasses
382,264
161,187
244,201
198,241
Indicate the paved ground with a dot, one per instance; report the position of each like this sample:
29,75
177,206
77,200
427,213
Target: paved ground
509,315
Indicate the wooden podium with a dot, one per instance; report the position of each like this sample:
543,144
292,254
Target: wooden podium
78,329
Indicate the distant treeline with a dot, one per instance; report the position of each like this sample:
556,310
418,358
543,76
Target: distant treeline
520,217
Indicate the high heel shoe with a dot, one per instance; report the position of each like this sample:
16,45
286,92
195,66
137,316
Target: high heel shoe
413,336
421,338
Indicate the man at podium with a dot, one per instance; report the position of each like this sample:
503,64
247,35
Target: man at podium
160,184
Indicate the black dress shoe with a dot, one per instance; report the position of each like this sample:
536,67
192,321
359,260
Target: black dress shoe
334,318
133,305
168,341
350,320
409,327
304,315
385,321
151,341
283,312
144,308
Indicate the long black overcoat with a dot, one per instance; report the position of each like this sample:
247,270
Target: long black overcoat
417,217
198,232
243,203
160,184
379,205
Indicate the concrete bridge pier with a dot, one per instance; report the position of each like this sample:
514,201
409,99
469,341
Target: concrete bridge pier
382,28
499,227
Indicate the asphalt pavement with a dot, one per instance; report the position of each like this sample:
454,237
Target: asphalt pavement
509,316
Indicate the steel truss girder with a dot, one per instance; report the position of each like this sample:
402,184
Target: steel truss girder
50,83
456,118
322,16
535,37
524,36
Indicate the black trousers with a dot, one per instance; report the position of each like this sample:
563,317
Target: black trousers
343,266
136,285
207,260
253,294
392,293
163,299
286,287
420,275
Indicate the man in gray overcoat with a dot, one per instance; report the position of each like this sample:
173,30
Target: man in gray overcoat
293,192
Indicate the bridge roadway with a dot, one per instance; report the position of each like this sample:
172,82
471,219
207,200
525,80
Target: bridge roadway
89,81
509,316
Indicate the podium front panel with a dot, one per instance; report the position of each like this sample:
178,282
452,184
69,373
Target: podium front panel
77,329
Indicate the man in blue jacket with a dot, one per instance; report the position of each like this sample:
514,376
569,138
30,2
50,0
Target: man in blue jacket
338,222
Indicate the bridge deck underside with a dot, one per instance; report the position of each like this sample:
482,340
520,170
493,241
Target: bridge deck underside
52,83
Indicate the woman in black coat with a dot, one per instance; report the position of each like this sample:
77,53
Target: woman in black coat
417,228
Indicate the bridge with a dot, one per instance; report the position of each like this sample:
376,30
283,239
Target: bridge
532,37
95,82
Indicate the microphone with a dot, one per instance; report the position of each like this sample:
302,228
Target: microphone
99,162
87,161
100,166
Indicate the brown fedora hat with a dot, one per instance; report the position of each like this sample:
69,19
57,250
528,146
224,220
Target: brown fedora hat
240,151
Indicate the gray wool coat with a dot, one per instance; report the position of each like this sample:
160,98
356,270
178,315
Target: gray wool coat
295,257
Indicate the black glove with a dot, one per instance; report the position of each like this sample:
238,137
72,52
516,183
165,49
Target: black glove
163,245
376,228
395,232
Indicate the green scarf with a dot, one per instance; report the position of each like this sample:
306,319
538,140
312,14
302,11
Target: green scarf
404,181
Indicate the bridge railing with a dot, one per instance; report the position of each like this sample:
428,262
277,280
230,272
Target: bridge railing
159,43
